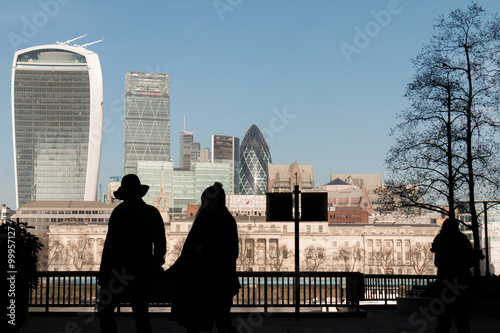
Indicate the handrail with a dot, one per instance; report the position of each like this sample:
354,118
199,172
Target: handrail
259,289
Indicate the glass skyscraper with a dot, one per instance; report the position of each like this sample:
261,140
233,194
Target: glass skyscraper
227,149
254,158
186,141
147,118
57,123
182,186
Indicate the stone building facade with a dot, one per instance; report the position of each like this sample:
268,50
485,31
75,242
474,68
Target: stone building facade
79,219
269,246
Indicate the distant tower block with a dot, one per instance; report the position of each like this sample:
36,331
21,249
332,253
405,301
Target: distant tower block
147,118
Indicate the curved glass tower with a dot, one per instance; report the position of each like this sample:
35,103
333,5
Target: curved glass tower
57,123
254,158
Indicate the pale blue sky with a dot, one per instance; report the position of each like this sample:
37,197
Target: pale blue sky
236,63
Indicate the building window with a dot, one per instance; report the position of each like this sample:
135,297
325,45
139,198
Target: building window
320,228
334,243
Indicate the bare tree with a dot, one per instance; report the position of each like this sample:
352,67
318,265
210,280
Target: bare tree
246,254
54,250
278,256
350,256
315,256
446,149
384,257
421,258
80,253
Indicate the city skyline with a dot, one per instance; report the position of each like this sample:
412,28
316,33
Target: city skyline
324,81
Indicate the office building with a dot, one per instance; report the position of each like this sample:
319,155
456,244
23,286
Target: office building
5,212
195,155
183,186
44,216
57,101
205,155
369,181
147,118
254,159
114,184
282,178
227,149
186,140
190,151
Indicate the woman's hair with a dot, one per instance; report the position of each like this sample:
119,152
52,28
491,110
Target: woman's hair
214,192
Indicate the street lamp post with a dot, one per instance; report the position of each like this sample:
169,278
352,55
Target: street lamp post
486,243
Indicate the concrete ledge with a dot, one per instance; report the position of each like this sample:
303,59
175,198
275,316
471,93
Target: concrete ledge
311,313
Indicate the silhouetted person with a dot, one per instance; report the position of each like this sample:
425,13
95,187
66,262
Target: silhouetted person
454,256
133,251
205,272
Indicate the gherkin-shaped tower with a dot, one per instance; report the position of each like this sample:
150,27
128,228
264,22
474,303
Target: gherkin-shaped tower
254,158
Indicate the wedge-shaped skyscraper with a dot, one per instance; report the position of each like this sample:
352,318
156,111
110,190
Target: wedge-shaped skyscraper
147,118
57,102
254,158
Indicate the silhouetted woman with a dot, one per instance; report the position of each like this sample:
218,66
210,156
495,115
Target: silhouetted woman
205,272
454,256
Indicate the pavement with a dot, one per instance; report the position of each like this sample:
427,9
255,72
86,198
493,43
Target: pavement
377,319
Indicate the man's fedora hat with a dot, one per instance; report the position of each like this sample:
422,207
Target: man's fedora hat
131,185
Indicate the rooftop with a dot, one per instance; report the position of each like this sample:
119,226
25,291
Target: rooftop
67,204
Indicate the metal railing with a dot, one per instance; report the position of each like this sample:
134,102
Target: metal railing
379,287
258,289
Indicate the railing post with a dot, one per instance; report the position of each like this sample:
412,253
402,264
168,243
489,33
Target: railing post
265,294
47,294
296,193
385,289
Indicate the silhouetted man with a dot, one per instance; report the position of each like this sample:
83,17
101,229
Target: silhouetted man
133,251
454,257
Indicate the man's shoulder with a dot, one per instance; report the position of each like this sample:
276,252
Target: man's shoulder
121,206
